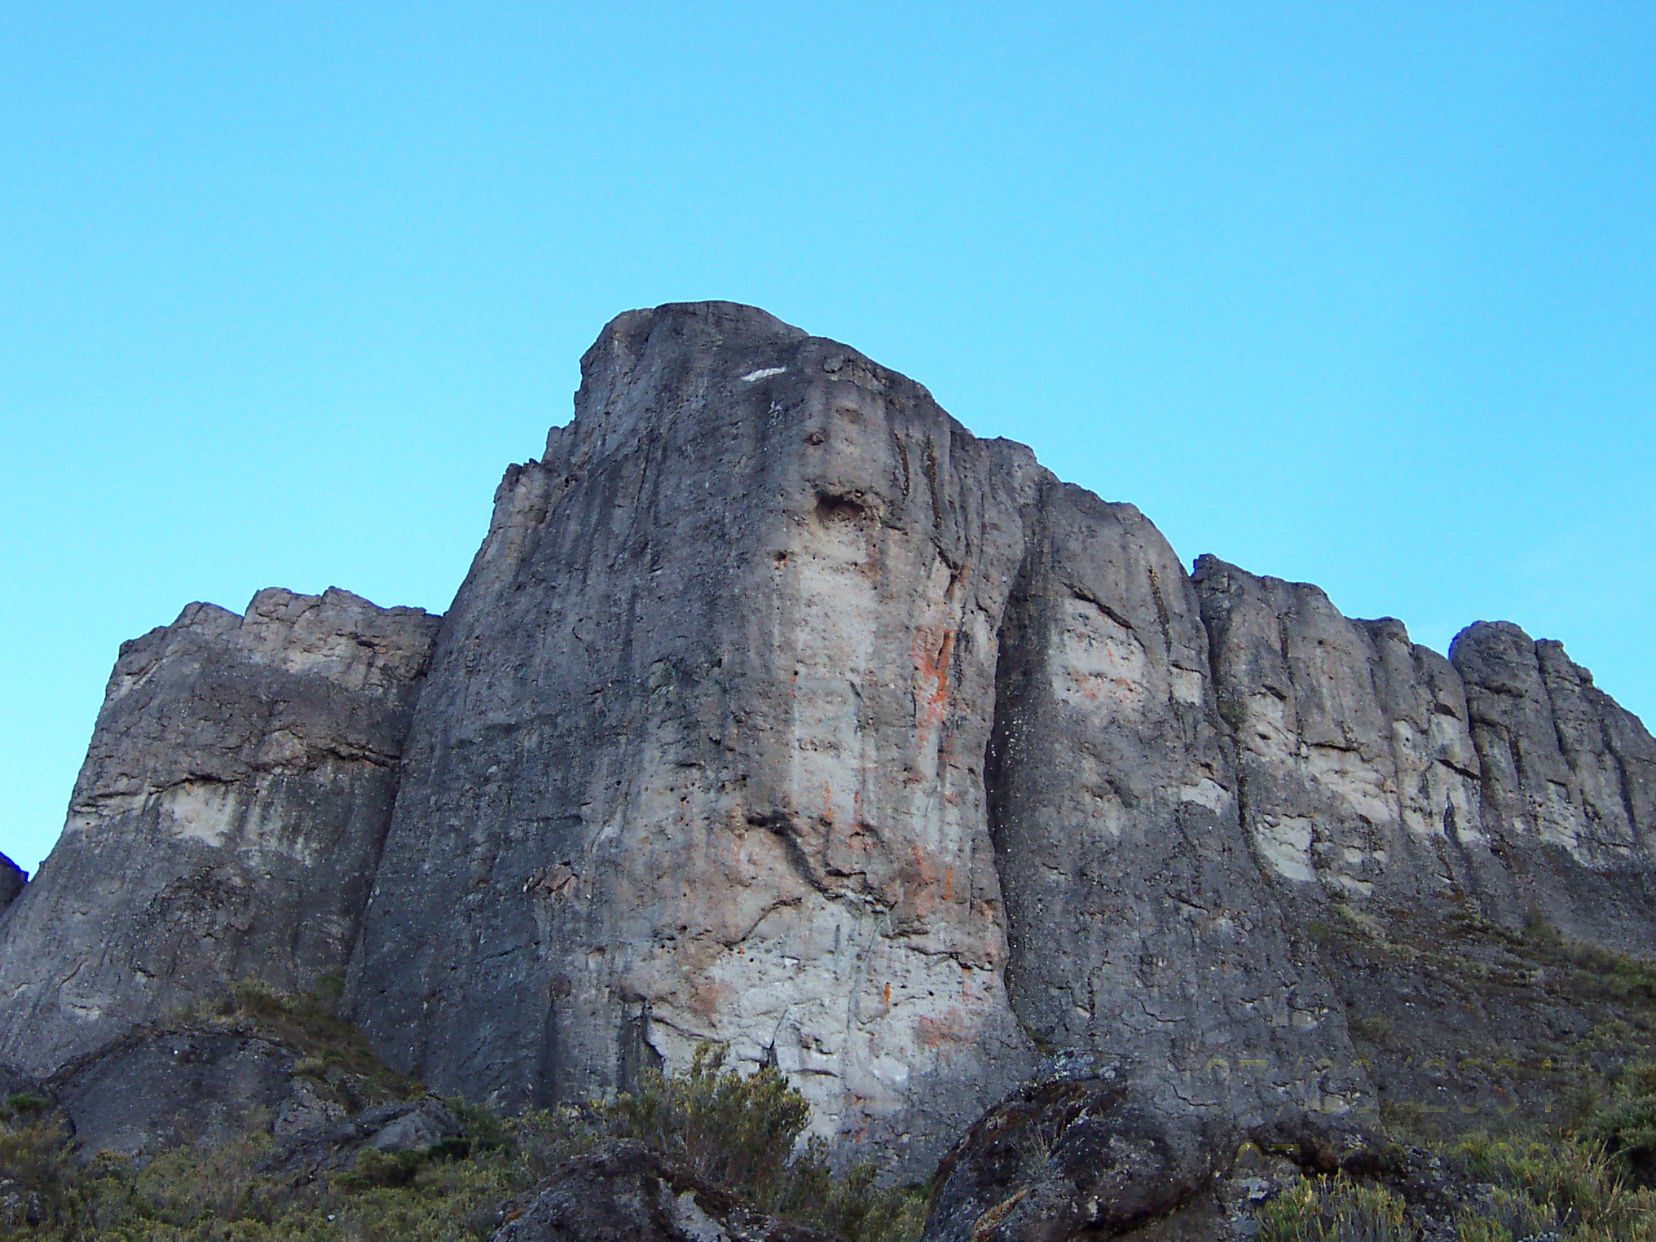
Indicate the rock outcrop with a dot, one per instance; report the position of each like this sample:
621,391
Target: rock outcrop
12,882
418,1126
159,1088
1071,1152
778,710
624,1192
227,821
1568,783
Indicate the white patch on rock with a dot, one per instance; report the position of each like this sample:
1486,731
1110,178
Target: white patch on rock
1187,685
1286,846
762,373
1100,665
198,811
1205,792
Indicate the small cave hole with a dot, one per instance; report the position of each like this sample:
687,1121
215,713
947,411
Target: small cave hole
837,507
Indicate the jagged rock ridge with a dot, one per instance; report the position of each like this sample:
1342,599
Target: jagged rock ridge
778,709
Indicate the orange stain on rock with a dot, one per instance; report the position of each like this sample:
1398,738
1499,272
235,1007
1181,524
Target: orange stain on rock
948,883
931,666
946,1028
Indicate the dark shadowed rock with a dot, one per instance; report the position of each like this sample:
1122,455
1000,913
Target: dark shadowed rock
156,1089
624,1192
419,1125
1073,1152
1079,1152
226,821
12,880
1142,928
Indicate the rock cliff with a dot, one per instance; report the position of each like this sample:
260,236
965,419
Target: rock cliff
226,823
777,709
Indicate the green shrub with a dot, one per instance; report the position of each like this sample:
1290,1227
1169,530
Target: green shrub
854,1205
22,1104
1623,1127
743,1133
34,1155
1568,1186
729,1130
386,1168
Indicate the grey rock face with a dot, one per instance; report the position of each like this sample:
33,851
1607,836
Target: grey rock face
160,1088
700,754
1359,777
226,821
1140,923
705,753
1569,786
1378,772
12,881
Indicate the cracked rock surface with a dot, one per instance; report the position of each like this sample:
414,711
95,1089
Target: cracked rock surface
779,710
226,823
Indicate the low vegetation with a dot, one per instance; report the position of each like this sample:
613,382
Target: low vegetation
742,1132
1570,1150
1589,1177
1594,1183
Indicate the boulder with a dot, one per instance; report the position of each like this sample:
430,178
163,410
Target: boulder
624,1192
419,1126
1072,1152
156,1089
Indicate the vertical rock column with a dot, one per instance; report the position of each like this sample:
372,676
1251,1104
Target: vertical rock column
1358,772
1569,787
1141,926
700,755
226,821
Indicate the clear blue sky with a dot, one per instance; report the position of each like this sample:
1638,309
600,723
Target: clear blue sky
1360,295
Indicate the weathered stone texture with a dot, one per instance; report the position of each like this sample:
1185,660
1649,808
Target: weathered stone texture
1569,786
226,821
156,1089
1141,925
1358,774
700,753
1376,771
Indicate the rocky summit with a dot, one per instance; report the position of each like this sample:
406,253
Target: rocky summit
778,711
